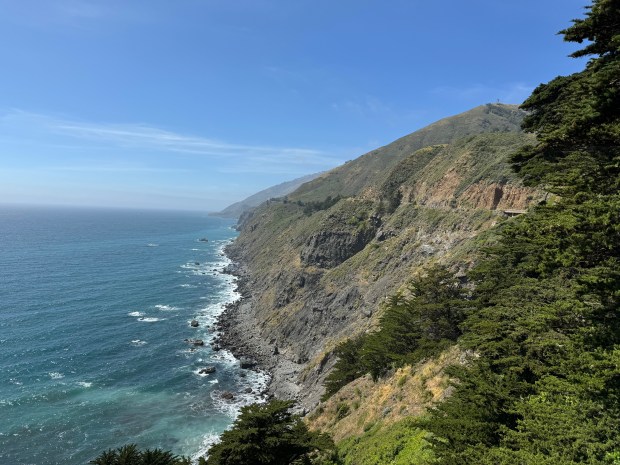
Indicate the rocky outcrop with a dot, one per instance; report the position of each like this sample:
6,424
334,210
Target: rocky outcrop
327,249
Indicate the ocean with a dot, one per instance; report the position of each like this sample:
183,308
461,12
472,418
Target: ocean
95,308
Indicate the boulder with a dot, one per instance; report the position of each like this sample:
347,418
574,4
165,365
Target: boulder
207,370
227,395
194,324
247,362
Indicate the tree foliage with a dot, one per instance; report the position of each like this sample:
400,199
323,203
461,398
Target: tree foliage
416,324
577,118
131,455
268,434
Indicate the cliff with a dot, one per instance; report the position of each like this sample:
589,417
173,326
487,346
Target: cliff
317,272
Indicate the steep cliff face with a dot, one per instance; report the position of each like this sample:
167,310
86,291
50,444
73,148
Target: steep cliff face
317,278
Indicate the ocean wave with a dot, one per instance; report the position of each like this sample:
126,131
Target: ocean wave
152,245
84,384
232,408
149,319
198,373
135,314
55,375
208,440
166,308
138,342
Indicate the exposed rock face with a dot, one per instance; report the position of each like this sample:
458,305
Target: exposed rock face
317,279
327,249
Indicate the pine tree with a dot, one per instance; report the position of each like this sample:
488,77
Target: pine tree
267,434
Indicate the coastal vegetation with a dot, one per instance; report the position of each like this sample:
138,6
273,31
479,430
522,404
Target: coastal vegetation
416,324
269,434
131,455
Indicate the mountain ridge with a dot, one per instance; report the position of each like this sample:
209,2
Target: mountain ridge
237,209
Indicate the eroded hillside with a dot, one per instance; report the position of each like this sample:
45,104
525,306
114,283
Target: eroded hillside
319,273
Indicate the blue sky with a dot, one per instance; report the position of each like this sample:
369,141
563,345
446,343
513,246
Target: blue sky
194,104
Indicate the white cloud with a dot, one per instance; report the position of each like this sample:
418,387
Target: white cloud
144,138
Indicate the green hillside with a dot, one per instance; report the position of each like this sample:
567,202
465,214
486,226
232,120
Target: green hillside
370,169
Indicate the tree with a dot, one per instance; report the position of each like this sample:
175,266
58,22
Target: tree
577,118
267,434
131,455
417,324
347,368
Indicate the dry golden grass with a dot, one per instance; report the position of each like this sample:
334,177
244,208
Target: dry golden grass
409,391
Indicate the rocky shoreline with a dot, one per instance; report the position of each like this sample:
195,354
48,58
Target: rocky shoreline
239,332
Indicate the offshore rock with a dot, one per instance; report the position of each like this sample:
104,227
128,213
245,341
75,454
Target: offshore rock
226,395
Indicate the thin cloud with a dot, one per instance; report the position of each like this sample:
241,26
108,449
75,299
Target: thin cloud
140,137
115,169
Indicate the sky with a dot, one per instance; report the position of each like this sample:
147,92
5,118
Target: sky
195,104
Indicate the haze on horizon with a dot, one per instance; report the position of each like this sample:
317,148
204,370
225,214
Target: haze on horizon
195,105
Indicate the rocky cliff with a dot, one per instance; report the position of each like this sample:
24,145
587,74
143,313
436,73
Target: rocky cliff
317,276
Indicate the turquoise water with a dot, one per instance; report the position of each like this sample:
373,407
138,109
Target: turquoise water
94,309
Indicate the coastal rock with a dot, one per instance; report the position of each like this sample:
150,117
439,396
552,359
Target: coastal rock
196,342
194,323
227,395
207,370
247,363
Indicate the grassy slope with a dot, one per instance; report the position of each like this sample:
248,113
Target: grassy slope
370,169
